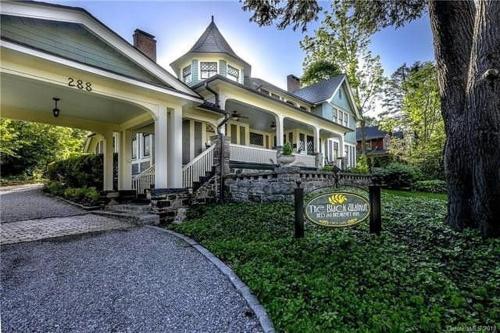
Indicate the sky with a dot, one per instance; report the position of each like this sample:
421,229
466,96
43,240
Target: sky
272,53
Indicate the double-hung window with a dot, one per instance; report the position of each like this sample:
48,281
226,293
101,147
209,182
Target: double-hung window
233,73
208,69
147,145
134,148
186,74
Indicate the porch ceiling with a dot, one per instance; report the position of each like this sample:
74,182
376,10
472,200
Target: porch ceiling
256,117
35,97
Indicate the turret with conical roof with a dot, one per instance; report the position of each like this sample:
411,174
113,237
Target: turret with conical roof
210,55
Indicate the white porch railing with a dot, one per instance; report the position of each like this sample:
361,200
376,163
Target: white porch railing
144,180
252,154
198,167
305,160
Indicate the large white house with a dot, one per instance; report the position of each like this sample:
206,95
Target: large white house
161,125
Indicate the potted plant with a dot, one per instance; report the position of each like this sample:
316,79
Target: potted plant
285,155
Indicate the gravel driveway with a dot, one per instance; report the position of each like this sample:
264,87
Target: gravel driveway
132,280
27,202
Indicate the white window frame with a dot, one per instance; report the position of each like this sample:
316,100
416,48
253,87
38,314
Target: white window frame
190,75
236,79
200,71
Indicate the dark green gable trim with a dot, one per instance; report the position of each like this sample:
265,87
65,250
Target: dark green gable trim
72,41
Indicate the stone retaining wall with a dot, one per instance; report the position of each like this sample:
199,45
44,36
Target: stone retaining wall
279,185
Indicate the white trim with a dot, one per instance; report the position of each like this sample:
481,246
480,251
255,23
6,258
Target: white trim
90,69
74,15
349,92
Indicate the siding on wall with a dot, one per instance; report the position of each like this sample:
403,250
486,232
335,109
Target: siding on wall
194,71
223,67
72,41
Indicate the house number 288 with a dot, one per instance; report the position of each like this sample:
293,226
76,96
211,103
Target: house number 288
79,84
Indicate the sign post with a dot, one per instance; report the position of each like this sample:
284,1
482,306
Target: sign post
375,208
299,211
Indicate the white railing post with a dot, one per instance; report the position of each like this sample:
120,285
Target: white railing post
198,167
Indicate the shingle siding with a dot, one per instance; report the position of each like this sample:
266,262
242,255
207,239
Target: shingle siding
72,41
194,71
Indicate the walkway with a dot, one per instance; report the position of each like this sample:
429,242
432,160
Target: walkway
28,215
127,280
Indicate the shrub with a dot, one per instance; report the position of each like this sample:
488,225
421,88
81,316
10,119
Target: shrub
361,165
84,195
55,188
397,175
287,149
433,186
80,171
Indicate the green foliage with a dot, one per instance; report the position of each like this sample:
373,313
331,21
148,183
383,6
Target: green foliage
418,276
79,171
27,148
434,186
361,165
84,195
54,187
287,149
397,175
318,71
340,40
328,168
412,105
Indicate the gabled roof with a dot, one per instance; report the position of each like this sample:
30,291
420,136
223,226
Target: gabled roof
80,17
320,91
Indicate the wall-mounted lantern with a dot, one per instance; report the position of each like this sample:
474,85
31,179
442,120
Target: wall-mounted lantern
55,110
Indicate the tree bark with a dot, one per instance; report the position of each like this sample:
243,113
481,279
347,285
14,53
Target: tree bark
483,109
452,26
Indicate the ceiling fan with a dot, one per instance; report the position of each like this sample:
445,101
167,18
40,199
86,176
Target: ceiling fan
236,116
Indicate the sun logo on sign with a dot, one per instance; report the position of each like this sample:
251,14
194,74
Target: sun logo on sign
337,199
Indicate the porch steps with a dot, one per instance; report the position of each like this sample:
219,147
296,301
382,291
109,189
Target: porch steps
139,214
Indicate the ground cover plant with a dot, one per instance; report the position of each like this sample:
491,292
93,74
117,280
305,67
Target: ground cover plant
418,276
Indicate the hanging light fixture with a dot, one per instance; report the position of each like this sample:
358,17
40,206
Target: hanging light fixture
273,125
55,110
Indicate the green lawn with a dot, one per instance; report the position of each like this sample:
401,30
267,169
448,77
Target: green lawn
418,276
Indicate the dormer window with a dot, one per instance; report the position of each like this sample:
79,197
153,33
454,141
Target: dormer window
233,73
208,69
186,74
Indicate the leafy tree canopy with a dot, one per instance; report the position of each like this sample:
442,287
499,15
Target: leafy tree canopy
27,148
318,71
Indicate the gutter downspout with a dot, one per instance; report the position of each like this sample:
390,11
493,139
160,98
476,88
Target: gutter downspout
216,94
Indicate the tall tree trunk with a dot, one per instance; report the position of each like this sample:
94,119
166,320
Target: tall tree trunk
452,26
483,108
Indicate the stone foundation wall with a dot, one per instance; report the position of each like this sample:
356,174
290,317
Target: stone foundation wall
168,202
279,185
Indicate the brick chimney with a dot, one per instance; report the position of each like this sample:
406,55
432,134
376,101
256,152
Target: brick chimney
146,43
292,83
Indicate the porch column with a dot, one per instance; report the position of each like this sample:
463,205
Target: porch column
124,161
279,130
342,152
317,147
108,161
175,148
161,144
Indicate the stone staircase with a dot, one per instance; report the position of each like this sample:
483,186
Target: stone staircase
135,213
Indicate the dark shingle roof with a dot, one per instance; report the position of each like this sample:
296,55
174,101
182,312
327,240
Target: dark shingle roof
212,41
320,91
372,132
256,83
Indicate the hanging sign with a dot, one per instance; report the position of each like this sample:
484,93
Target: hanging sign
337,209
